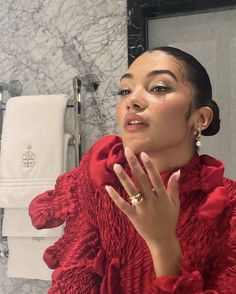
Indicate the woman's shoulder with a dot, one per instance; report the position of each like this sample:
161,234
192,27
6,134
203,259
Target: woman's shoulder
103,154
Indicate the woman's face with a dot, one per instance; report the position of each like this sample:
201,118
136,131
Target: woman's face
155,104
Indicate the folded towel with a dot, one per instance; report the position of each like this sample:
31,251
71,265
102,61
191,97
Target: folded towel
17,223
26,258
32,157
33,137
19,192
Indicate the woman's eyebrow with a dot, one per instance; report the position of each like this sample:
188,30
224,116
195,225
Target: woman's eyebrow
126,76
151,74
162,71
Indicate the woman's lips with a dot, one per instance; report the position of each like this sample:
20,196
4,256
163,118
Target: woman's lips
135,123
136,127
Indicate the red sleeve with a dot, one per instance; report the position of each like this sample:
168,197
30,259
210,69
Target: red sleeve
51,208
224,279
73,257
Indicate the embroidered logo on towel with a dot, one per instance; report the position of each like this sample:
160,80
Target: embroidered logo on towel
28,158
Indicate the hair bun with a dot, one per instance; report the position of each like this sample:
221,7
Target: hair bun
214,126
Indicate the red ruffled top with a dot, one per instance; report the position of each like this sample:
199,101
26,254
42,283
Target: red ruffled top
100,251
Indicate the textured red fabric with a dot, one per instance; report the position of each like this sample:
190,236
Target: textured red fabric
100,251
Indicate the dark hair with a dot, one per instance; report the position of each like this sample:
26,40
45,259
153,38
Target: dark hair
199,79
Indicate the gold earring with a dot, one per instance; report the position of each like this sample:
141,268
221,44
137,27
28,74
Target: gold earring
198,134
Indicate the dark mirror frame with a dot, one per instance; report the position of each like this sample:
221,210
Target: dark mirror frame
140,11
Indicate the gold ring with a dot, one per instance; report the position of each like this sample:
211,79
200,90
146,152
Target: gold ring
136,199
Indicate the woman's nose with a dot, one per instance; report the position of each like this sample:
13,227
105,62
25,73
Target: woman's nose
137,101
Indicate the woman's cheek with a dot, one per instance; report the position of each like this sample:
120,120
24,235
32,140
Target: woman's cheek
174,110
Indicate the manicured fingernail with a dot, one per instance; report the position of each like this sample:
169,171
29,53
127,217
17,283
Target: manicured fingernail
144,157
117,168
177,175
108,188
128,153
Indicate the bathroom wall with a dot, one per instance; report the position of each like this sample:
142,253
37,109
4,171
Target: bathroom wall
44,44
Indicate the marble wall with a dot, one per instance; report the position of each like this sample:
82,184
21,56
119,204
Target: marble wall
44,44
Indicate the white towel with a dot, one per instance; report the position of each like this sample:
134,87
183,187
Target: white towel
17,223
32,157
33,137
32,147
19,192
25,258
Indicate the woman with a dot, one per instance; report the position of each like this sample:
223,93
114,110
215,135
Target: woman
144,212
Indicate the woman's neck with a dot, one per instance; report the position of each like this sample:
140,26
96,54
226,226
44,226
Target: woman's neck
171,160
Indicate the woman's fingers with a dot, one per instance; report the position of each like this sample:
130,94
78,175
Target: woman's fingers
138,172
172,192
125,180
153,174
173,188
149,180
154,218
119,201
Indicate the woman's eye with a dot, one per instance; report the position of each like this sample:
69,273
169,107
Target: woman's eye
124,92
159,88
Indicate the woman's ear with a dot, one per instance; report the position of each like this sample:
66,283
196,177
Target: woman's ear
203,117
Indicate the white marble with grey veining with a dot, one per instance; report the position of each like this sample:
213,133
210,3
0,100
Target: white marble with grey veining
44,44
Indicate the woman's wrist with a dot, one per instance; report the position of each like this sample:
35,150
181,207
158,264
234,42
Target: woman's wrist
166,258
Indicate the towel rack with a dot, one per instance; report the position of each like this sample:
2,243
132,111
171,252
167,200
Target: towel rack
89,82
70,103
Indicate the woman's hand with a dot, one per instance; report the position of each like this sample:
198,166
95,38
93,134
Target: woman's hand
156,217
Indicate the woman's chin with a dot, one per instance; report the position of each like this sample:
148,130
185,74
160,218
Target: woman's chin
136,146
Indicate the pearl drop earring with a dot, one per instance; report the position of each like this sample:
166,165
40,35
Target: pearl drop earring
198,133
